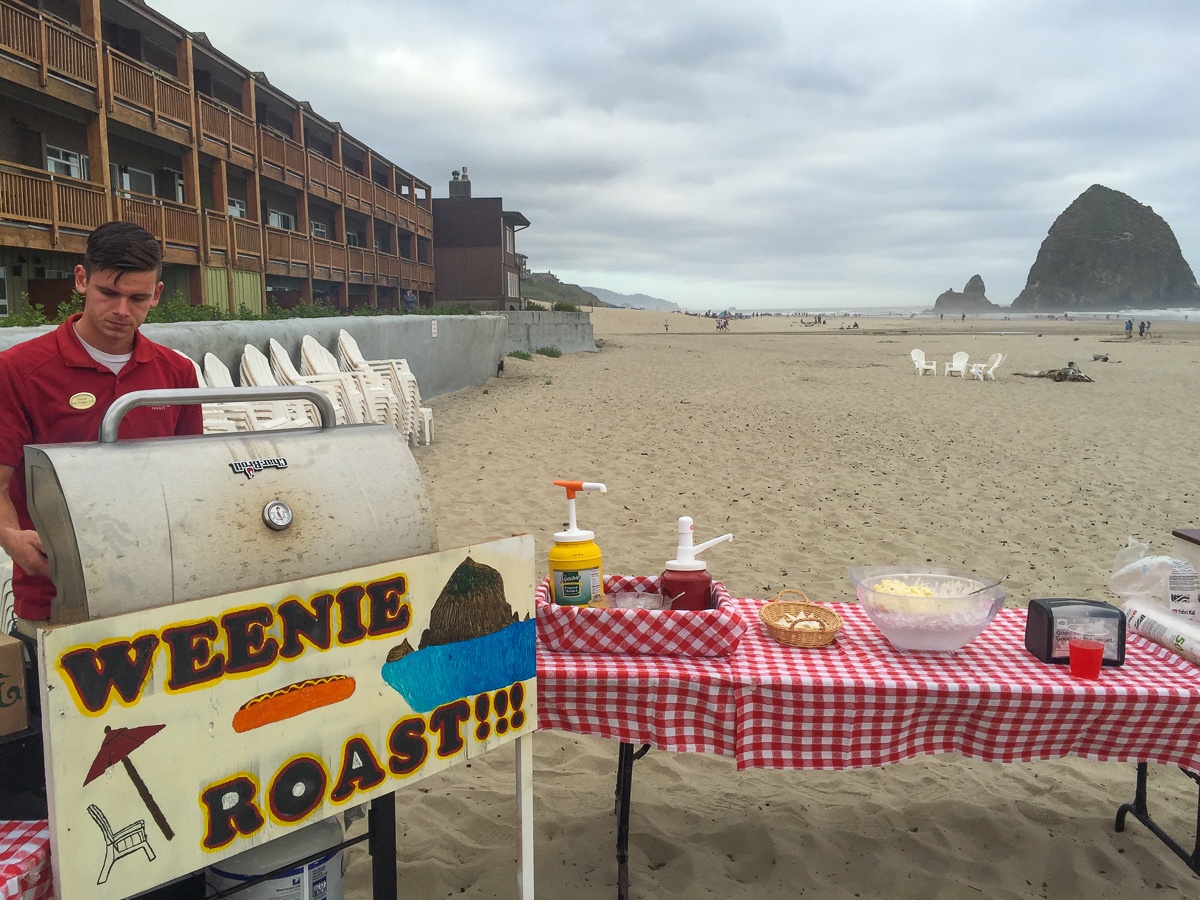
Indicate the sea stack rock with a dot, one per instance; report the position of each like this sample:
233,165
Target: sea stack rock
471,605
972,299
1107,252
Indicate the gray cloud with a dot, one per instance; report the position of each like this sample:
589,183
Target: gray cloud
821,153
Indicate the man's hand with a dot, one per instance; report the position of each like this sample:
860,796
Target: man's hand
25,548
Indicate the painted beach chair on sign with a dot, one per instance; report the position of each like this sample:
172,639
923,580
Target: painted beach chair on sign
918,358
119,844
957,364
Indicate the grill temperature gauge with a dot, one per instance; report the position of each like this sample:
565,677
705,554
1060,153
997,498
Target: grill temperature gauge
277,515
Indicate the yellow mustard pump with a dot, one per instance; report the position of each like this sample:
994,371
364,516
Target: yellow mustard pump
576,566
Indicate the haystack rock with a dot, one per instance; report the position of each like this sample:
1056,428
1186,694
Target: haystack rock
471,605
972,299
1108,252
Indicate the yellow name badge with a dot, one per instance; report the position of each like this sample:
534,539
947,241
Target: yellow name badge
82,400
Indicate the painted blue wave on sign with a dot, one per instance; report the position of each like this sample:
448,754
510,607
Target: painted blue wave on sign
428,678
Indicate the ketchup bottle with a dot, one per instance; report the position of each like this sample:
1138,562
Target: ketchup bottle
686,582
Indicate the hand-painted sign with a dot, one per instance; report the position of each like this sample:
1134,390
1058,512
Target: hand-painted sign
230,720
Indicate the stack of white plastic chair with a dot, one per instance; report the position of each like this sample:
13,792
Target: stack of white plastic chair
255,371
419,418
218,418
345,396
260,415
382,406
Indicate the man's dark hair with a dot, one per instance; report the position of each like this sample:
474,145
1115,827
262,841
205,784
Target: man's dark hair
122,247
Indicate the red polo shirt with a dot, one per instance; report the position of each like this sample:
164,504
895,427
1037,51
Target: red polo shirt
52,392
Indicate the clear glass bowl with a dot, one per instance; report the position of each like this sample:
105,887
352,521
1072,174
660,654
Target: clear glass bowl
962,604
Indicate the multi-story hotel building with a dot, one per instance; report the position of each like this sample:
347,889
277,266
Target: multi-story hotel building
109,110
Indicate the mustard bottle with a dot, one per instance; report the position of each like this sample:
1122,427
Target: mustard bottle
576,566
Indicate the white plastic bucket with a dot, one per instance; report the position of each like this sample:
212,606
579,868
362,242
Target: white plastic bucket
320,879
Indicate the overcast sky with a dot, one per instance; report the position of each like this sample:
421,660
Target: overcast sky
814,153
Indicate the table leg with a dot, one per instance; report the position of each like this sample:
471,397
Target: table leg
1141,812
381,823
625,760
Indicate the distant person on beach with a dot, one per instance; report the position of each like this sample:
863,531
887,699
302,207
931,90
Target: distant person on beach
1128,329
1147,329
666,326
1141,329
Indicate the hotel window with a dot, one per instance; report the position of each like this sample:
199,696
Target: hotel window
177,184
277,219
237,207
514,289
318,230
351,239
127,178
3,291
66,162
510,243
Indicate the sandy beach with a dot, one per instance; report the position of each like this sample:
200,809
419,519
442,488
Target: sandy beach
819,449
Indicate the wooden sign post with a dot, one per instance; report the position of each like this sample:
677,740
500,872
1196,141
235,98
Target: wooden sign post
180,735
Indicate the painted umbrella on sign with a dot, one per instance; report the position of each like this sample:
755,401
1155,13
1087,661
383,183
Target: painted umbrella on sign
117,745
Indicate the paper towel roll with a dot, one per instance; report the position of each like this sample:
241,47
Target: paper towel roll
1164,627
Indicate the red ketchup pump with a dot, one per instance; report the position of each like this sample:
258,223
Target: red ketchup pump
686,582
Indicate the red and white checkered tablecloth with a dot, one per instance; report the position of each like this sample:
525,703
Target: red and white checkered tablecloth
862,703
25,861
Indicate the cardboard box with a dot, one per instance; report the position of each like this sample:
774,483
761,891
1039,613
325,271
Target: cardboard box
14,710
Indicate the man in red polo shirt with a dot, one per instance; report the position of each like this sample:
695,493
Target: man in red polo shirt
56,388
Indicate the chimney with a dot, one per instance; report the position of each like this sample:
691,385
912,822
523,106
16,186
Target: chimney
460,187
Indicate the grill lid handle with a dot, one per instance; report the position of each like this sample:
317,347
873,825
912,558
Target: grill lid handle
190,396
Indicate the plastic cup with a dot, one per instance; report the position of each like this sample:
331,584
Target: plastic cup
1086,658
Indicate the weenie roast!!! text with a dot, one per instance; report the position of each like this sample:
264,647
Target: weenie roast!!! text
218,665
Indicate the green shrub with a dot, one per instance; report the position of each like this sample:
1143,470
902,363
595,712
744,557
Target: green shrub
30,317
177,308
521,354
441,309
552,352
564,306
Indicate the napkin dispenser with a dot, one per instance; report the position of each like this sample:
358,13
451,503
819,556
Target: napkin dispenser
1052,622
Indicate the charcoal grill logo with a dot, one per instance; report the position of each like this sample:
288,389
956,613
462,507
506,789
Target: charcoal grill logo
251,467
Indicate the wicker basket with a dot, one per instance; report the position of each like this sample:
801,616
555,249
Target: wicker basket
777,608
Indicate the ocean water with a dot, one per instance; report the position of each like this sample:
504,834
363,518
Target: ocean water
924,312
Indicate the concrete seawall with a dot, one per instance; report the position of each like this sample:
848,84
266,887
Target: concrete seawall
464,351
569,332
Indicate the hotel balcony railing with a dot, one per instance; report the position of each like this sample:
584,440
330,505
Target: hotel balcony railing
362,262
329,260
48,45
325,174
225,232
174,224
226,126
358,188
37,197
247,237
281,156
288,247
147,89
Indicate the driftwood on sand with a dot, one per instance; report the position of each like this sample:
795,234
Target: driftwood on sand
1069,372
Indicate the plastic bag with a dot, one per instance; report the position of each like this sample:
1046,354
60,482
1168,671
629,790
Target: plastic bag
1141,578
1131,552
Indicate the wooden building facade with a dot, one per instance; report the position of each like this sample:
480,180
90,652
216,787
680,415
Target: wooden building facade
109,110
478,264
